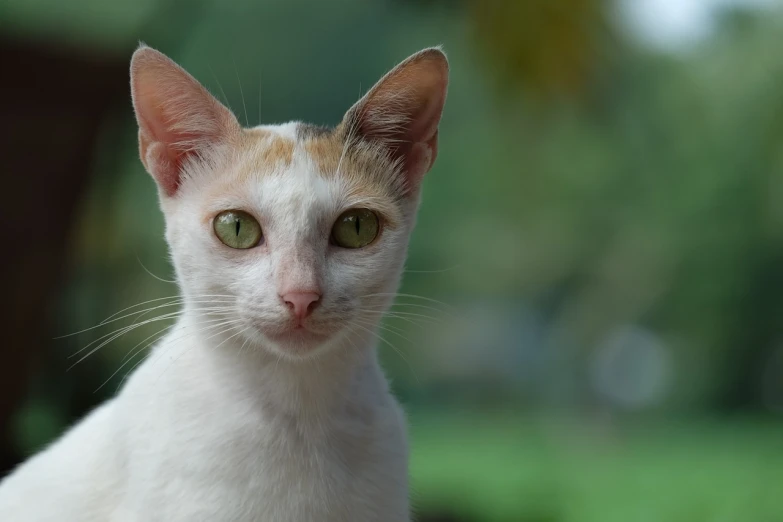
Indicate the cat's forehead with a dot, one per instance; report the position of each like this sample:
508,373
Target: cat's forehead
270,150
303,164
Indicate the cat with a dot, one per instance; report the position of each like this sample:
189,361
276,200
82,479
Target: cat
265,401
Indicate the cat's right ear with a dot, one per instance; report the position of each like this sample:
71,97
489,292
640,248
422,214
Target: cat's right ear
178,118
402,112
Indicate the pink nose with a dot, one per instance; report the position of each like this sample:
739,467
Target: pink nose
301,303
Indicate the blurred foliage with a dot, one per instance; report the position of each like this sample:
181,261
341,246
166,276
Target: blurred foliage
539,470
548,47
598,212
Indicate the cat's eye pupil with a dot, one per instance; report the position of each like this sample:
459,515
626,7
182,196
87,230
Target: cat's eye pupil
355,228
237,229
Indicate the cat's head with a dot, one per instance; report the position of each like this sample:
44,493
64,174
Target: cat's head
289,235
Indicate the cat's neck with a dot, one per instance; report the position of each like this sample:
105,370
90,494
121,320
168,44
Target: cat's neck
316,387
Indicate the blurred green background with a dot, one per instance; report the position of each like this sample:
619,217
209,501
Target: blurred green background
602,232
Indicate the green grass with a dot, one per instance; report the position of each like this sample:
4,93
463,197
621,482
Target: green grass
503,468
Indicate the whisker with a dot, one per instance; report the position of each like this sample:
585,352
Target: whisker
210,337
214,320
148,344
242,94
412,296
114,335
125,377
150,273
122,331
350,339
132,350
115,319
348,142
381,338
260,99
174,341
226,325
416,305
168,315
132,353
388,328
242,348
400,315
174,297
277,363
225,98
431,271
185,301
379,315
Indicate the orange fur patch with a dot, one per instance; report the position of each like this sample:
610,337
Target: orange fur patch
279,150
325,151
367,170
368,173
264,151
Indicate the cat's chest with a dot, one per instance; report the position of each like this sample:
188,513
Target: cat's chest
271,473
217,449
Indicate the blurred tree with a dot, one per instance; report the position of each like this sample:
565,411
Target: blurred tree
52,113
551,48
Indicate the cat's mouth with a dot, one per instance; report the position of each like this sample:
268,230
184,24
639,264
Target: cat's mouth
297,337
294,335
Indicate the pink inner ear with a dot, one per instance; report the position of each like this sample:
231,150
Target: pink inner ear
427,107
411,135
157,158
403,111
420,159
177,117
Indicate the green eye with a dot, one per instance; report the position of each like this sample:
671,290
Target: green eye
355,228
237,229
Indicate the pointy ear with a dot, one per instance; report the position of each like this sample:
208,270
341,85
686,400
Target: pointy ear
178,118
402,112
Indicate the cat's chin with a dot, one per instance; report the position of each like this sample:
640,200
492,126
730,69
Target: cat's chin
298,341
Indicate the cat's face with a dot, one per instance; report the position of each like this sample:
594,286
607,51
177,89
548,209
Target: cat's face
295,234
295,287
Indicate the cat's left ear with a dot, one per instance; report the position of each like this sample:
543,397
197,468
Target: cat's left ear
178,118
403,110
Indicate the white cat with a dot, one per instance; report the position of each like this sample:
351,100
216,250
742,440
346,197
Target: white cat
265,401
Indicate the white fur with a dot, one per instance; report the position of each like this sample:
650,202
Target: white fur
224,423
236,415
